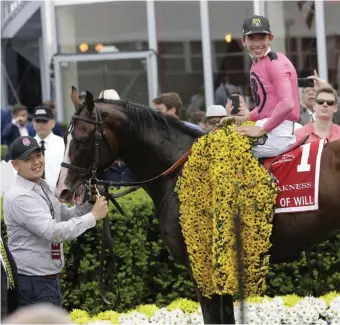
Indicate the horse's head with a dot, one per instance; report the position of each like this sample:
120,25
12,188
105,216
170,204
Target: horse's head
88,148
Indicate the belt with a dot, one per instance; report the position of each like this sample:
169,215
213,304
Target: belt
50,276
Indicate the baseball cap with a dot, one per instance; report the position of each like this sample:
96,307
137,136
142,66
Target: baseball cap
22,147
256,25
44,113
216,111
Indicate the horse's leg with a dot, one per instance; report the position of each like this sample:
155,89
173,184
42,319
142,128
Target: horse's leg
227,303
218,310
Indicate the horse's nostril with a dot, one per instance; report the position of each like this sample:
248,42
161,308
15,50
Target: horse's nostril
65,196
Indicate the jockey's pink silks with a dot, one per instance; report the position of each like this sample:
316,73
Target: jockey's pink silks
274,86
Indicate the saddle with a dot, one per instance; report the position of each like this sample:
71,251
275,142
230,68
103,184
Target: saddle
267,162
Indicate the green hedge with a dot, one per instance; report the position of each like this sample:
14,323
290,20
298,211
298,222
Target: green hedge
3,151
147,274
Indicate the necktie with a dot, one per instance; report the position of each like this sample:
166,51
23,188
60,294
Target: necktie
42,146
8,266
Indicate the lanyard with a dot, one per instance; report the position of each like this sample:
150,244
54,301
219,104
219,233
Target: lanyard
48,201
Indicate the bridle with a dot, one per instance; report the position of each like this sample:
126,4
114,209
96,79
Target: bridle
98,135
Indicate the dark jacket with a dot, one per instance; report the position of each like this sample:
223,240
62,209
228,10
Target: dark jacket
119,172
9,297
6,118
11,132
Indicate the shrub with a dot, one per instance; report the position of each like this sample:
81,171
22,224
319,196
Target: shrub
146,274
3,151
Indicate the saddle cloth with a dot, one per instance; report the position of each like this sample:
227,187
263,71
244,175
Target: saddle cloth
298,172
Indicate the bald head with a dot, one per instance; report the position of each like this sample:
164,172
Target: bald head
39,314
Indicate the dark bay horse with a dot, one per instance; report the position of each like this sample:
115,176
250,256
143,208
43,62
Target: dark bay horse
149,143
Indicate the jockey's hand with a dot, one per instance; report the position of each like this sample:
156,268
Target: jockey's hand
318,82
251,131
238,119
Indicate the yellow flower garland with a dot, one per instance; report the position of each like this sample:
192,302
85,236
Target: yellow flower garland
220,179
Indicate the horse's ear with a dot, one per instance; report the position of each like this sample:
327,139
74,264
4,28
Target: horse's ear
89,101
75,97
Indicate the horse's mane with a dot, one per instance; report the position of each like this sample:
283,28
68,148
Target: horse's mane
145,117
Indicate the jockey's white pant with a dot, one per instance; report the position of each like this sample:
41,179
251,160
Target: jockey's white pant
279,140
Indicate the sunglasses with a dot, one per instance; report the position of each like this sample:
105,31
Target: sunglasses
322,101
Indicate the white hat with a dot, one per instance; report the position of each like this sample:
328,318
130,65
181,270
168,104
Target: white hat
109,94
216,110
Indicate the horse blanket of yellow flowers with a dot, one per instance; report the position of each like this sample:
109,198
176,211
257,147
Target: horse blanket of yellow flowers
220,181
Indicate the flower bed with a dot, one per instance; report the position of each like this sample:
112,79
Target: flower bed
258,310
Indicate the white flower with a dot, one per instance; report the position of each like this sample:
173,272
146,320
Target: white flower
320,322
134,317
196,319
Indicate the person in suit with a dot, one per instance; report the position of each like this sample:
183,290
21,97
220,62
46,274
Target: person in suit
17,128
9,281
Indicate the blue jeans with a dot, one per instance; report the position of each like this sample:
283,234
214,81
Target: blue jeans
36,289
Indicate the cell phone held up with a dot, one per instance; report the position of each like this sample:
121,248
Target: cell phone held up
305,83
235,100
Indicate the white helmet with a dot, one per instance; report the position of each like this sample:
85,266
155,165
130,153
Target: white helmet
109,94
216,111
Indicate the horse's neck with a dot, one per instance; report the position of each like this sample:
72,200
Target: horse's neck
148,160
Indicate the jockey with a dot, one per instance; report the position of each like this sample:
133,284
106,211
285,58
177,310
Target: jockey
274,86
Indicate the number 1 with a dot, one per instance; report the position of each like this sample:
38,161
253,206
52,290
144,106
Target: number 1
304,166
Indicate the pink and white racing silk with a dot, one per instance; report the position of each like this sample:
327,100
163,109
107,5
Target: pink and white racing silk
274,86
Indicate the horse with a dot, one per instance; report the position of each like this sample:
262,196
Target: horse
149,142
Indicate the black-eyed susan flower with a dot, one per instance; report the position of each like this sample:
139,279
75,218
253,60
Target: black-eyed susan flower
220,181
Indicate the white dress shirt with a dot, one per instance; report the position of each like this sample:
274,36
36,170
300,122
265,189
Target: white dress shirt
54,155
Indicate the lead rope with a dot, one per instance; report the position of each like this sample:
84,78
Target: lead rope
107,242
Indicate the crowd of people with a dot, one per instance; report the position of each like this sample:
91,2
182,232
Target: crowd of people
37,224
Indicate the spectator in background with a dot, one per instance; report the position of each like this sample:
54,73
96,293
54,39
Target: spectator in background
118,171
224,90
214,115
6,119
243,108
307,101
325,106
17,127
57,129
109,94
197,102
44,123
196,117
171,104
203,124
